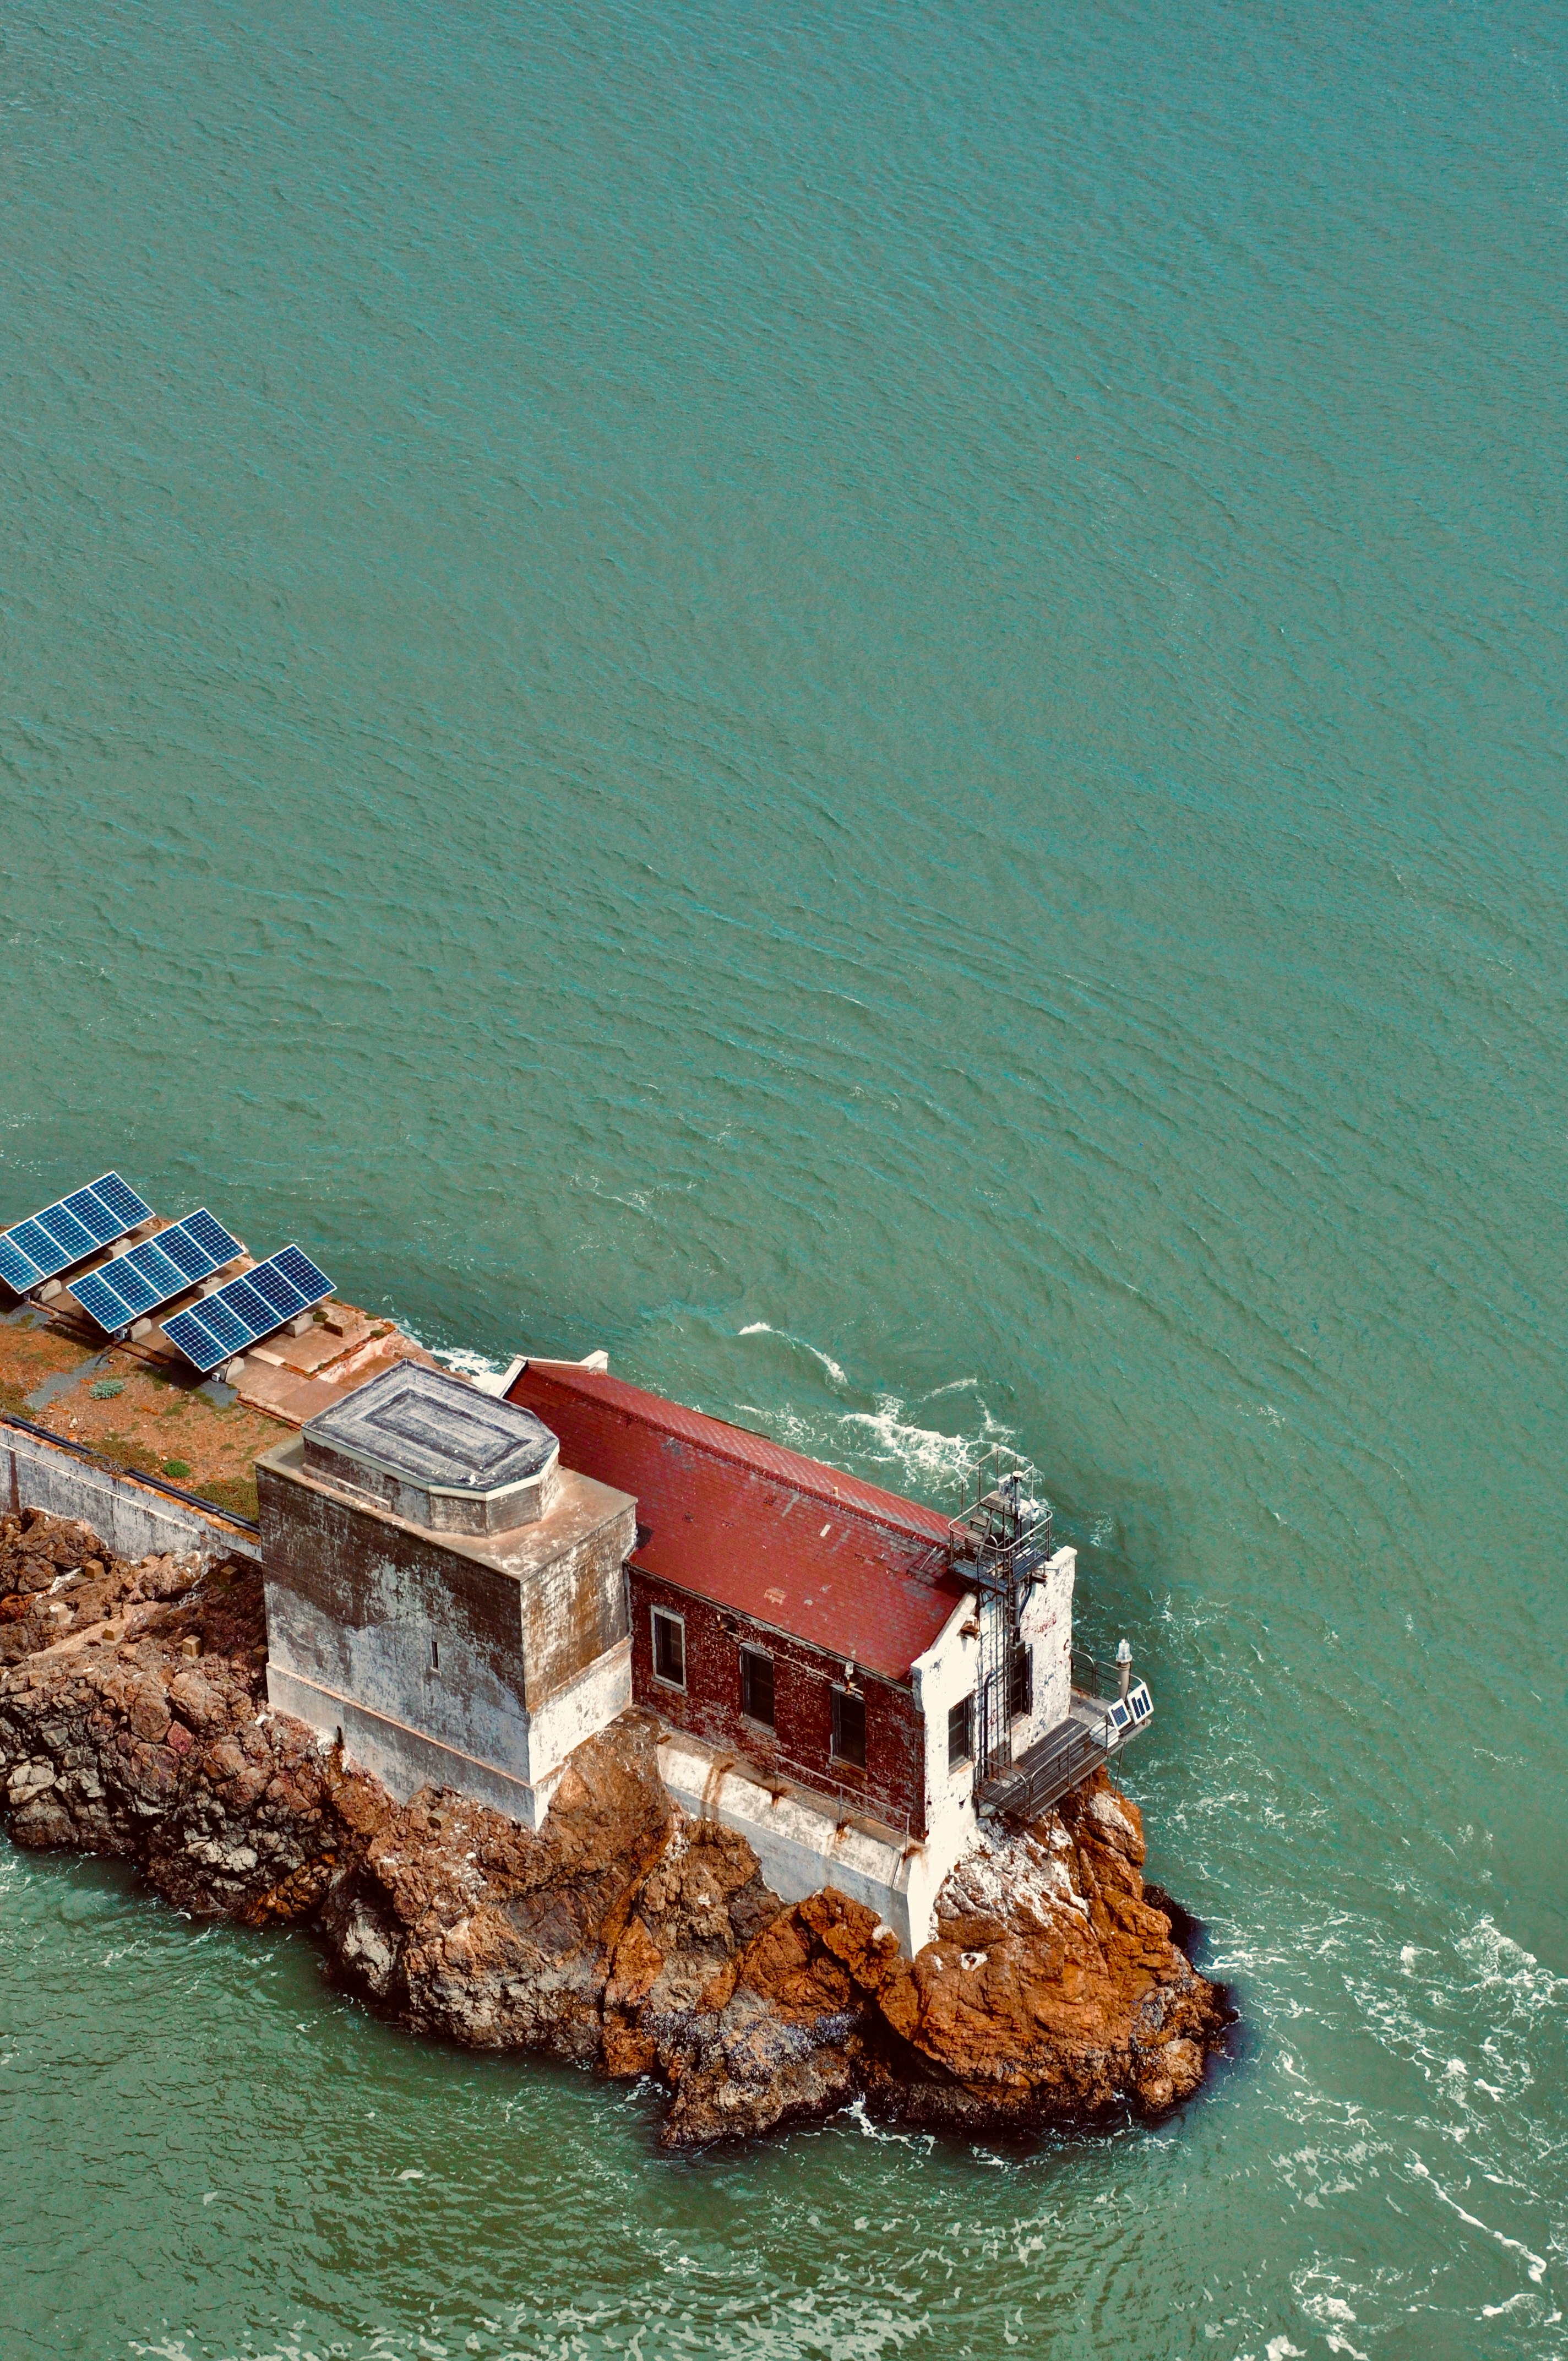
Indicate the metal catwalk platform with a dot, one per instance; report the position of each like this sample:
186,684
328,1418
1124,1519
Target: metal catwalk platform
1095,1730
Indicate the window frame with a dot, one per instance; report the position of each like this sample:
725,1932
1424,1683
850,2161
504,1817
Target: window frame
965,1761
754,1655
842,1698
657,1615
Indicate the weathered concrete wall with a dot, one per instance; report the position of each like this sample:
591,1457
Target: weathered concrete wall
800,1746
475,1663
948,1673
802,1842
133,1520
405,1760
1046,1625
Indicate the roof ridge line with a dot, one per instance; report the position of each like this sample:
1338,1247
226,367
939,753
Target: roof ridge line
737,1458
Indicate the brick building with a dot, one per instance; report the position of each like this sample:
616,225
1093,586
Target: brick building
810,1641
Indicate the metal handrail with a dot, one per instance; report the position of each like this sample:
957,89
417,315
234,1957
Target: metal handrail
1065,1757
135,1475
1095,1680
1078,1750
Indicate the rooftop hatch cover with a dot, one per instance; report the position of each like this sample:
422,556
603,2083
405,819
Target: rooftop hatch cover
431,1428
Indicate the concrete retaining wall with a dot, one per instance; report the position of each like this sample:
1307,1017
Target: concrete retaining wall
133,1520
801,1843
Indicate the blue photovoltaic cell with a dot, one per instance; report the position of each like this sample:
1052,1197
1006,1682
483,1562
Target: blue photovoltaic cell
132,1285
193,1261
121,1200
128,1285
230,1332
241,1298
248,1308
210,1339
211,1236
16,1272
62,1233
66,1232
94,1214
38,1245
299,1272
101,1303
186,1330
152,1261
280,1295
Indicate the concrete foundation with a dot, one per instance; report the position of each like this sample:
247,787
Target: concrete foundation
405,1760
799,1840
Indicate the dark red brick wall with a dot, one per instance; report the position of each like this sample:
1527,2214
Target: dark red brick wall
892,1787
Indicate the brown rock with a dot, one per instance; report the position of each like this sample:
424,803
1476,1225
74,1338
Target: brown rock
622,1933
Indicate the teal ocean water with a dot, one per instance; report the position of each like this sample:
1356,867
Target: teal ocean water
868,703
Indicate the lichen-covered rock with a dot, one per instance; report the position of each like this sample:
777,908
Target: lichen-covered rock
781,2033
1053,1989
623,1934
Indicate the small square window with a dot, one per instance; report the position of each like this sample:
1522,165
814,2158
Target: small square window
757,1685
848,1728
1021,1680
960,1733
670,1648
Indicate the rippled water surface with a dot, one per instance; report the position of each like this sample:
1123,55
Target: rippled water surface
867,703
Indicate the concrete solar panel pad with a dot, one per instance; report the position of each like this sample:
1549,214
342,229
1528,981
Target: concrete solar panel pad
248,1308
66,1232
131,1285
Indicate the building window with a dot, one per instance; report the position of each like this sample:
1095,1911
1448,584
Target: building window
435,1655
960,1733
670,1648
848,1728
757,1685
1021,1680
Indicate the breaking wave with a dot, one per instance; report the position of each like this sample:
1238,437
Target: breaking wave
765,1328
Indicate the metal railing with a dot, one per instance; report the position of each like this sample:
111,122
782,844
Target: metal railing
1049,1771
1095,1676
135,1475
1098,1727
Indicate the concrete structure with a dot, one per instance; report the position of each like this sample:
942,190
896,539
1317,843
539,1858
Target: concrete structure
134,1520
441,1593
464,1586
827,1670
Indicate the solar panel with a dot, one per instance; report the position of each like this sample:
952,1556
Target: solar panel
62,1233
130,1285
248,1308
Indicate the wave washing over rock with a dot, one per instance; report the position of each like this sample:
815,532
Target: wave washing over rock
625,1935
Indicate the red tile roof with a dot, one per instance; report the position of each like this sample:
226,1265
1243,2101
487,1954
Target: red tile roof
740,1519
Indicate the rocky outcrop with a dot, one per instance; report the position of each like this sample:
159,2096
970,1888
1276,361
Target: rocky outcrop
624,1935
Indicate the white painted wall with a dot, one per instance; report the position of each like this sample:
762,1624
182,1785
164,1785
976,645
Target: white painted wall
946,1674
1045,1627
949,1672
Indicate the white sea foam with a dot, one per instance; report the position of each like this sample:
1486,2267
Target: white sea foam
924,1455
1504,1966
467,1363
765,1328
856,2113
1535,2264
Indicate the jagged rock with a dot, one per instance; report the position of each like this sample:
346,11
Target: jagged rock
1053,1990
623,1933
